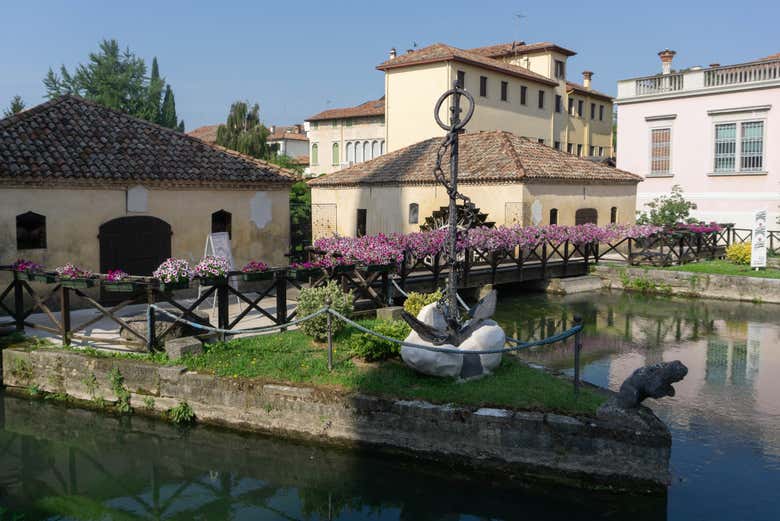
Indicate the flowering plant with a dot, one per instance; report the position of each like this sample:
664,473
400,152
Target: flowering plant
212,266
26,266
255,267
116,275
698,227
69,271
173,270
304,265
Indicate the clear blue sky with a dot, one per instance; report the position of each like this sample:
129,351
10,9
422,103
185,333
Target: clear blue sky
296,58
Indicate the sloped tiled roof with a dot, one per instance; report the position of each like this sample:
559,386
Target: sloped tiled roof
770,57
440,52
508,49
207,133
369,108
485,157
580,89
295,136
73,142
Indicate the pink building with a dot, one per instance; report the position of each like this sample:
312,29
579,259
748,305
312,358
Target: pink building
709,130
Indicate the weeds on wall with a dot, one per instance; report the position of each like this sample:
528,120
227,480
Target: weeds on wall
181,414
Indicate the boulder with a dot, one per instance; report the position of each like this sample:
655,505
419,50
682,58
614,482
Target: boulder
161,323
175,348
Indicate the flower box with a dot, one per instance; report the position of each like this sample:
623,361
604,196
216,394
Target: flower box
302,274
258,275
212,281
379,268
170,286
42,277
343,268
119,286
77,283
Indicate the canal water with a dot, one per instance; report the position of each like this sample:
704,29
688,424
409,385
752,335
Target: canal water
58,463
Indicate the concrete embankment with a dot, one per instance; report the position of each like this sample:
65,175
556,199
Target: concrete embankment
586,452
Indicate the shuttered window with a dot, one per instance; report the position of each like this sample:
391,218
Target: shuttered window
660,159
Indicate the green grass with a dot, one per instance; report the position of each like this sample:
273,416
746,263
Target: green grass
724,267
292,357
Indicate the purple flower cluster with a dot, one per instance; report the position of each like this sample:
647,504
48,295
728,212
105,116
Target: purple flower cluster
370,249
698,227
116,275
173,270
212,266
304,265
69,271
255,267
26,266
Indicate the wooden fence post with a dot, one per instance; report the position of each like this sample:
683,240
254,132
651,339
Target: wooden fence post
65,313
223,313
281,297
18,303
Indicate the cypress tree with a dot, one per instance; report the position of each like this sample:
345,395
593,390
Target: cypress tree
168,111
156,84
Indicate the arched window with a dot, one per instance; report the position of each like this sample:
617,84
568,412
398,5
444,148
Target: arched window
315,156
375,149
350,152
336,157
222,221
358,152
553,216
381,148
585,216
414,213
613,215
30,231
367,150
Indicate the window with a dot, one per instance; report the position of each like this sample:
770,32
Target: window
725,147
571,106
540,141
660,154
557,145
350,152
558,100
360,228
30,231
601,151
348,122
222,221
483,86
336,156
570,148
334,123
553,216
592,151
580,105
504,89
359,152
752,146
414,213
613,215
315,124
560,69
461,82
367,151
541,99
374,149
523,94
585,216
381,147
592,111
579,150
314,154
601,112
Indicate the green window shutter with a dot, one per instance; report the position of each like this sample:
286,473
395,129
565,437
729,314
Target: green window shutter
314,154
336,157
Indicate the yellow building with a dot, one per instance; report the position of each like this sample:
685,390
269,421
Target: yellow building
517,87
511,179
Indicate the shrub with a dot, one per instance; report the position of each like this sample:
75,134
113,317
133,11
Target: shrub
313,299
739,253
117,382
416,301
370,347
182,414
667,210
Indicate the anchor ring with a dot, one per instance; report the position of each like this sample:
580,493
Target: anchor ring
462,123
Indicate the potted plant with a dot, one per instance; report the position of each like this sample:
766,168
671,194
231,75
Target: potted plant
212,269
117,281
302,271
255,270
29,270
74,277
173,274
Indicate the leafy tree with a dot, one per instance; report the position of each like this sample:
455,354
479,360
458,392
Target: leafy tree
285,161
155,92
243,131
668,210
17,105
300,219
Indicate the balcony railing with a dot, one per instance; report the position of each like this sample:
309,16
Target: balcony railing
659,84
736,74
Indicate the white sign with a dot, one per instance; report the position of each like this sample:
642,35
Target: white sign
758,240
218,244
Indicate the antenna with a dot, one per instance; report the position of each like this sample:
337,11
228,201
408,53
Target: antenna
520,17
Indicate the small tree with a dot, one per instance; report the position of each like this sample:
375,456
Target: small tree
667,210
243,131
17,105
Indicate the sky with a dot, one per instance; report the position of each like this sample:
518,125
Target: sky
297,58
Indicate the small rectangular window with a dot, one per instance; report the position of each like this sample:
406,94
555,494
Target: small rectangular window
30,231
360,228
660,155
560,69
315,124
725,147
592,151
570,147
592,111
601,151
523,94
540,141
483,86
752,146
504,89
571,106
557,145
461,79
348,122
579,150
580,107
541,99
558,102
601,112
553,216
414,213
334,123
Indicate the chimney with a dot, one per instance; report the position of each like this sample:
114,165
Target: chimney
666,60
713,65
586,77
393,53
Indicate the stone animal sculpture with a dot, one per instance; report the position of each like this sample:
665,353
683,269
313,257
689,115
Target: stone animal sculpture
652,381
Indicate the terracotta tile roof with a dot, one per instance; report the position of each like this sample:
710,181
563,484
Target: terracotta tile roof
485,157
580,89
508,49
295,136
74,142
440,52
369,108
207,133
301,160
770,57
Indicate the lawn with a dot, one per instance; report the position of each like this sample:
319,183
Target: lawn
292,357
724,267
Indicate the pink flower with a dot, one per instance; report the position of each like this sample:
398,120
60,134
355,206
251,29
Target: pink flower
26,266
255,267
116,275
69,271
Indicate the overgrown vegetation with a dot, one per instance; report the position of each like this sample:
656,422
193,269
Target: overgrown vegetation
313,299
643,284
724,267
117,382
181,414
416,301
739,253
370,348
668,210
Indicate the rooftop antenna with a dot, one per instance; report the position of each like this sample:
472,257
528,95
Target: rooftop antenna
515,44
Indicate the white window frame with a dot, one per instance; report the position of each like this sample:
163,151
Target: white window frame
738,117
650,130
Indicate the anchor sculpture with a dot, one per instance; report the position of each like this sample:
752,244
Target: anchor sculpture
441,324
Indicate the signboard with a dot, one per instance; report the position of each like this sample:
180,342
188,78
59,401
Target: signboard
758,240
218,244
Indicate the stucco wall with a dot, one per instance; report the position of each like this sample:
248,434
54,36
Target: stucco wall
723,198
73,218
570,198
325,134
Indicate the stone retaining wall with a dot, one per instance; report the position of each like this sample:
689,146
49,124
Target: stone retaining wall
583,451
689,284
